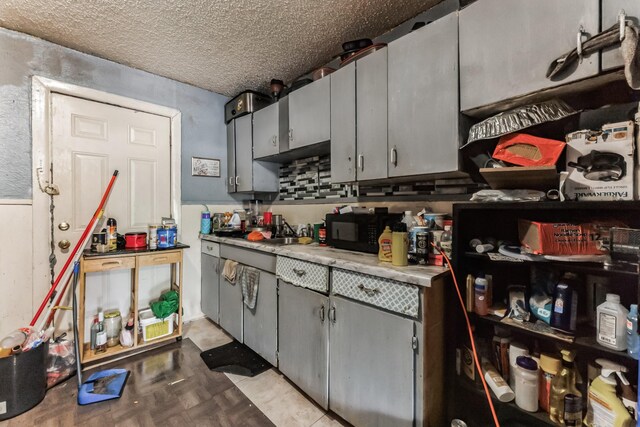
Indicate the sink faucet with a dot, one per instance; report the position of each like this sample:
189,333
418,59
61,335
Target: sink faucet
293,232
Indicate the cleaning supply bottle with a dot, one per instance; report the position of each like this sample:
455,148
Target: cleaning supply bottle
604,408
112,234
628,395
565,304
399,245
205,221
446,241
481,302
384,242
101,335
563,384
632,332
611,323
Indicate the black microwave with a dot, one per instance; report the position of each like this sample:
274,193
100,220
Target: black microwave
358,232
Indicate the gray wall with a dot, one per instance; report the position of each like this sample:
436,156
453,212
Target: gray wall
22,56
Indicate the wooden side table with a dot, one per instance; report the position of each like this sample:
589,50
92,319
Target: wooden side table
133,260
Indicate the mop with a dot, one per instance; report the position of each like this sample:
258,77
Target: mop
103,385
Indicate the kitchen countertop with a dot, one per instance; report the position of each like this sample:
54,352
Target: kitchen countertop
420,275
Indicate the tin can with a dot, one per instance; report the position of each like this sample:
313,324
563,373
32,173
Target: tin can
163,238
98,239
422,245
412,237
153,236
172,236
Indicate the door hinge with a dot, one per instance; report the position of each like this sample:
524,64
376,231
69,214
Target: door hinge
278,357
414,342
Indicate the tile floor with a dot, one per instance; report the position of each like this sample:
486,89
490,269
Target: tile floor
270,391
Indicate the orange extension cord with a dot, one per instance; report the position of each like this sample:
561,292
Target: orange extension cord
473,342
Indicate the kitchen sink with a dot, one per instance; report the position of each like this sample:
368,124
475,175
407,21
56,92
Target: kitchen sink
281,241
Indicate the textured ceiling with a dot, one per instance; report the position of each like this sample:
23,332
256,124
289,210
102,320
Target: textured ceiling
224,46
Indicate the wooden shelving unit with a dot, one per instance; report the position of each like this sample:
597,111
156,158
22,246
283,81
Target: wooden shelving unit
132,260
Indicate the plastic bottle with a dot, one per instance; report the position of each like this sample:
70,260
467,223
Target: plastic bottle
94,332
611,323
384,243
481,302
101,335
565,304
515,349
563,383
112,234
15,338
205,221
399,245
604,408
526,383
549,368
446,241
628,396
633,340
407,219
497,384
470,295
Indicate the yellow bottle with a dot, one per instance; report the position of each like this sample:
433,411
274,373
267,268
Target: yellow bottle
384,242
562,384
604,408
400,245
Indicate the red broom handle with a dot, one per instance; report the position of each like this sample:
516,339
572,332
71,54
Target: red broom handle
77,247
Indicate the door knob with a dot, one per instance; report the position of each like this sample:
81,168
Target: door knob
64,244
63,226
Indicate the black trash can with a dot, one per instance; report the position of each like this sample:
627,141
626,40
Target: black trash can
23,381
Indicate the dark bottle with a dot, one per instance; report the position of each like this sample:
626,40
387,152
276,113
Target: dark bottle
112,234
565,304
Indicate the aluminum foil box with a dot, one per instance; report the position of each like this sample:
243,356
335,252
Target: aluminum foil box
601,163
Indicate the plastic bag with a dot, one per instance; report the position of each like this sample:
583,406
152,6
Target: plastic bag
61,362
167,305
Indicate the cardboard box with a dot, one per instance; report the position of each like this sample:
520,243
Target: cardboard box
601,163
552,238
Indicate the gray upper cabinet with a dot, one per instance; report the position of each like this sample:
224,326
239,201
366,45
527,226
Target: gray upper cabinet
371,365
244,156
343,124
309,114
303,338
611,57
260,323
244,175
371,91
271,130
507,46
423,103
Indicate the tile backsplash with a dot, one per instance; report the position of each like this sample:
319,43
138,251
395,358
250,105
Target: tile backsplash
309,179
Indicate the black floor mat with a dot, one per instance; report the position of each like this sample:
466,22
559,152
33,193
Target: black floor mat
235,358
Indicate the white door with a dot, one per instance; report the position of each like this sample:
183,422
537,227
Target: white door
89,140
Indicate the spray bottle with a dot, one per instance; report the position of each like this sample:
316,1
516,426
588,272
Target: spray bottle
628,395
604,408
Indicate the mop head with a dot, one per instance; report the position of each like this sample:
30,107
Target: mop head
103,385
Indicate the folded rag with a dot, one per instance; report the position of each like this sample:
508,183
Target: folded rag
249,278
230,270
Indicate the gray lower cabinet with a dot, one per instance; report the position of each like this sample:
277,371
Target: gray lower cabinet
309,114
423,111
271,129
507,46
303,337
343,124
372,373
210,286
231,310
611,9
261,323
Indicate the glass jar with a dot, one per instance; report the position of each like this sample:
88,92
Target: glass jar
112,325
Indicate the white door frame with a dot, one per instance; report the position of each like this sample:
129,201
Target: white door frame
41,91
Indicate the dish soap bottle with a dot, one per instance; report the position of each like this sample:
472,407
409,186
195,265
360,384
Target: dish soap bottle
603,406
384,242
562,384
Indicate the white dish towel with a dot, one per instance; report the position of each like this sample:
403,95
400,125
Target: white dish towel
249,278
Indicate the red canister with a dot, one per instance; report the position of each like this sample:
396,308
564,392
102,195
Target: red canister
135,240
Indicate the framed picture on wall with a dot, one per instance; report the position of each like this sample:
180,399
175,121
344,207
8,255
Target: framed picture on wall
201,166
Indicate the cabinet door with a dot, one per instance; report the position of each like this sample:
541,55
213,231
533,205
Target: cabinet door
210,286
309,114
303,338
611,57
230,306
231,156
260,324
244,154
265,131
372,365
506,47
343,124
423,100
371,84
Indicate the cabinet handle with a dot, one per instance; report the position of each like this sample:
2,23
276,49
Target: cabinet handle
579,42
290,135
369,291
104,264
322,313
394,156
160,258
217,270
622,17
332,314
274,140
237,180
361,162
209,248
299,272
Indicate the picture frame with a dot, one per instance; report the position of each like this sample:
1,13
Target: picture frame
203,166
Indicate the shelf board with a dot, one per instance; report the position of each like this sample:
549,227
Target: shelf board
540,416
585,341
585,267
88,356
